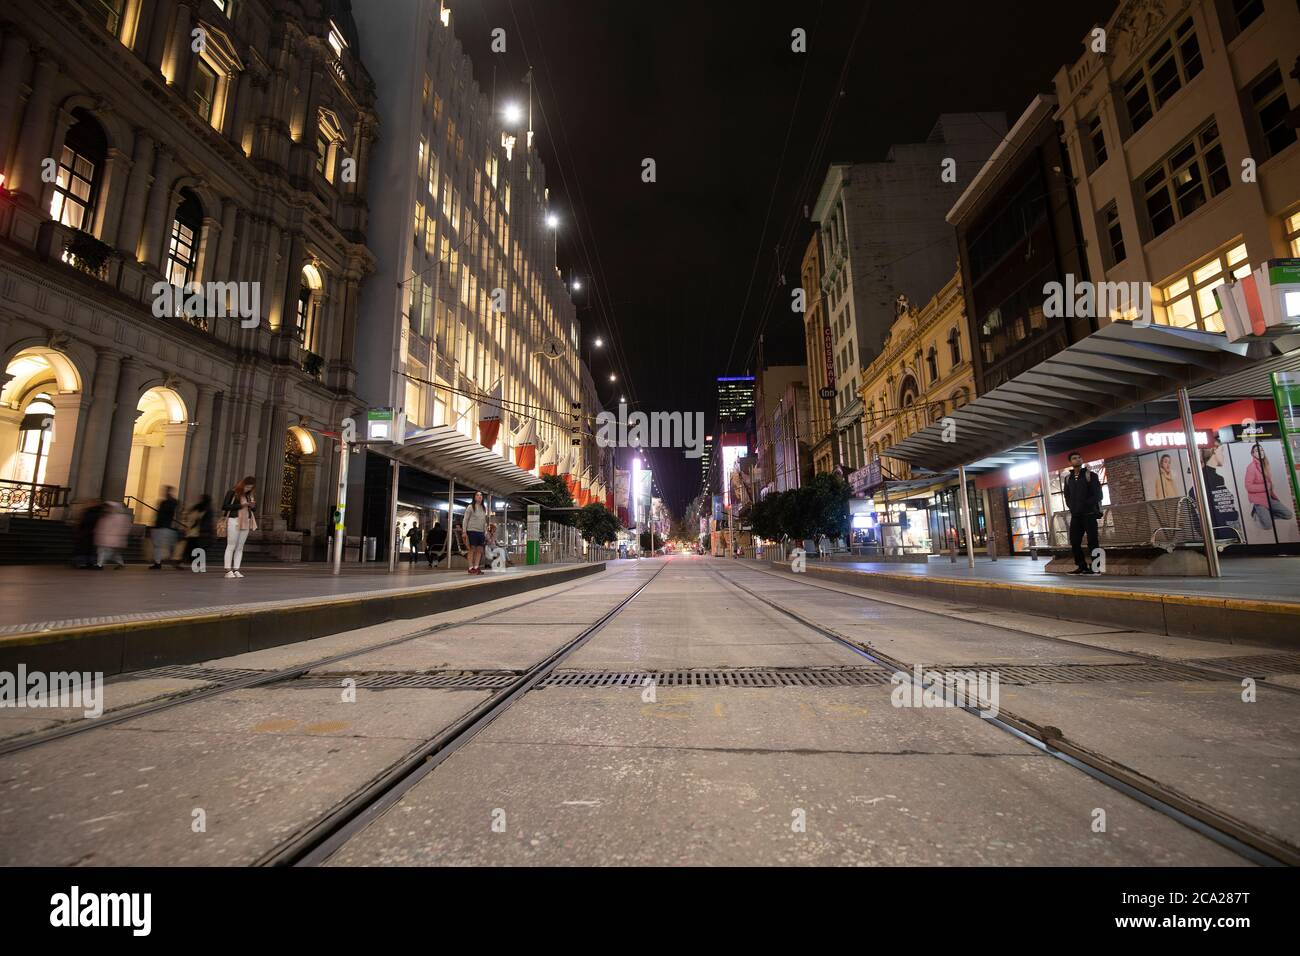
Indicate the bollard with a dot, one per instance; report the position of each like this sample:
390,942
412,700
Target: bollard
1033,548
993,548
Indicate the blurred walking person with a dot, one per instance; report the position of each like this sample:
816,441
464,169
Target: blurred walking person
435,543
163,533
201,529
83,543
475,531
111,533
239,509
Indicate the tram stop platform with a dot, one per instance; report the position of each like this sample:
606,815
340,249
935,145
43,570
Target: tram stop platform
116,621
1256,602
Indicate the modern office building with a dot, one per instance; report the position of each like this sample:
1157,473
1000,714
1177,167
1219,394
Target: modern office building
468,307
735,400
146,146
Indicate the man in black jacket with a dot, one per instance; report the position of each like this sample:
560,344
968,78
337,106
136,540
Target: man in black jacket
1083,498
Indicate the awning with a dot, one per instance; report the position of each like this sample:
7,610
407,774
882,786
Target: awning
1116,367
445,452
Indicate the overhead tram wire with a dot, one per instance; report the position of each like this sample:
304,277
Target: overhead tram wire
579,205
814,158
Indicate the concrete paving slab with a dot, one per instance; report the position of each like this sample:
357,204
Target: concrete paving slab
469,647
621,793
1199,738
260,764
15,721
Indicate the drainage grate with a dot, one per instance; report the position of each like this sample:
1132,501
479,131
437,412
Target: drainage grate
739,677
1253,665
214,675
462,680
1078,673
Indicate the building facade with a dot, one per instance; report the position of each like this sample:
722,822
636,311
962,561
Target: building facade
1188,170
1017,226
467,302
146,146
883,234
819,351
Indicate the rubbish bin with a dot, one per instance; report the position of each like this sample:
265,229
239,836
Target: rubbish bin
372,548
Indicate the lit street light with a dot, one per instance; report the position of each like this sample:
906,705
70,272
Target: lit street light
513,113
552,220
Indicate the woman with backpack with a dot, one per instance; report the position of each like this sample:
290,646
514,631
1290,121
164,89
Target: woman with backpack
239,509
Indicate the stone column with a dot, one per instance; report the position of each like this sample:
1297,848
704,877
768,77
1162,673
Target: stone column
172,470
60,464
180,54
272,478
284,301
117,168
196,474
118,459
34,136
13,64
89,479
159,33
270,272
207,249
137,191
238,108
306,507
221,269
150,250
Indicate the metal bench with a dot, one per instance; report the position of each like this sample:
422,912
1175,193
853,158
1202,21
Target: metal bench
1165,523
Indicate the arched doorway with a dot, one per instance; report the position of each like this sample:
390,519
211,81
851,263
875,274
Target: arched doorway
298,483
157,448
39,408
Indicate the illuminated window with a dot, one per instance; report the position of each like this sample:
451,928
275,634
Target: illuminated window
77,178
1185,179
336,41
1188,301
1293,234
182,250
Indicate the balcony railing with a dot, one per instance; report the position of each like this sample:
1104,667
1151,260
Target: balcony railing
31,498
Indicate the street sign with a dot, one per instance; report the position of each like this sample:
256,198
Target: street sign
385,425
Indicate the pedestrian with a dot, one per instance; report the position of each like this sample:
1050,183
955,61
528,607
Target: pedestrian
201,529
435,542
163,533
239,509
83,543
1264,502
491,549
415,536
1083,499
475,529
111,533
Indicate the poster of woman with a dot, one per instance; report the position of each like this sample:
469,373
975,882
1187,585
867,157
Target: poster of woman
1162,474
1219,488
1268,508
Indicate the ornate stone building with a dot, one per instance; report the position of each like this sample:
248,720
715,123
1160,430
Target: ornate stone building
147,145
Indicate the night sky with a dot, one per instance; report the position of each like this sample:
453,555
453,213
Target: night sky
681,274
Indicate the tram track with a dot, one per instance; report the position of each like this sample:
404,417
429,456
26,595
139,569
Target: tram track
316,844
1199,667
1247,841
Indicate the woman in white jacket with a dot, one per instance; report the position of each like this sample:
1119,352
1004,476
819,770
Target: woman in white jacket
239,509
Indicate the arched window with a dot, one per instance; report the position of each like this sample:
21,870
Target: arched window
308,304
954,346
34,434
932,362
183,249
81,164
